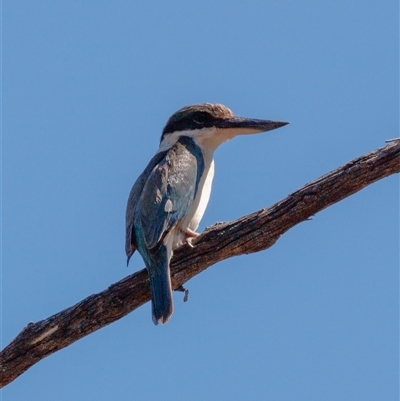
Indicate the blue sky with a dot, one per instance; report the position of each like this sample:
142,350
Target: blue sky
87,89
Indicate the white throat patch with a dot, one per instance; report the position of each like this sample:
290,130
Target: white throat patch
207,139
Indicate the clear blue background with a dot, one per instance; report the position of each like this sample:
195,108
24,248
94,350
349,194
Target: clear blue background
87,89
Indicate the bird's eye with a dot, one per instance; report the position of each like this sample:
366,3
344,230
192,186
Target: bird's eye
201,117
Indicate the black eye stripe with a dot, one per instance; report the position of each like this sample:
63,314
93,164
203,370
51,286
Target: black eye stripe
201,117
198,116
195,120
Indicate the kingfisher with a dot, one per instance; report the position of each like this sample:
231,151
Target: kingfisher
169,198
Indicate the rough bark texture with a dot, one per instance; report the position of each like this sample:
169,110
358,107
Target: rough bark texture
251,233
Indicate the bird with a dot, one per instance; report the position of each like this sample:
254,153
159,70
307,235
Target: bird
169,198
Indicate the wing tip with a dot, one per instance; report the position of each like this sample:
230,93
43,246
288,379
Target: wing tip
129,254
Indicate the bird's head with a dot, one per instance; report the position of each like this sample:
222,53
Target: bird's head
211,124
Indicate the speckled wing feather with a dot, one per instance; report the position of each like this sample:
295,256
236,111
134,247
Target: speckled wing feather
168,194
134,196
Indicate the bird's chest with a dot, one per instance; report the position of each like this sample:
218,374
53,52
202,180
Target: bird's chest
199,204
202,197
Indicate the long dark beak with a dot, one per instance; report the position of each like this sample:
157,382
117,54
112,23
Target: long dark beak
242,126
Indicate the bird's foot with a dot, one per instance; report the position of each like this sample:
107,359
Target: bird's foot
181,288
190,235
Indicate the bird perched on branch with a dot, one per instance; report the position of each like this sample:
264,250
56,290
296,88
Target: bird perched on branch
169,198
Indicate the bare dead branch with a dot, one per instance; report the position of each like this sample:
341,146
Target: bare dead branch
251,233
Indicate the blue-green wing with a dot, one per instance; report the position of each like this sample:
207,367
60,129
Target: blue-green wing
133,201
168,194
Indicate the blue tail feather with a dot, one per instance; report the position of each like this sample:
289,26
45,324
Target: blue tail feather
160,284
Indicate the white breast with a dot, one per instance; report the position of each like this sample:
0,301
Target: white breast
202,197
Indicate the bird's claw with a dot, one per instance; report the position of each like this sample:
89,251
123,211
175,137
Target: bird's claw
190,235
181,288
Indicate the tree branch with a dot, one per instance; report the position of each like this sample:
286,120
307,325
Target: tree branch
251,233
